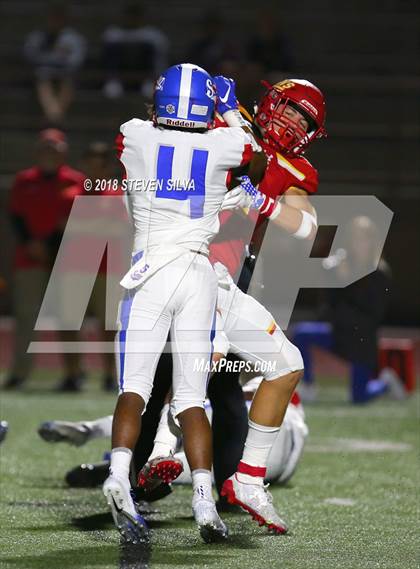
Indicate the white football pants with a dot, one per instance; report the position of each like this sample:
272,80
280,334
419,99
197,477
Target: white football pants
254,335
179,298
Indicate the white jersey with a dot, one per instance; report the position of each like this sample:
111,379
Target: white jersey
176,181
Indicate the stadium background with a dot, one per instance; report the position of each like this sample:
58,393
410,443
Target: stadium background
364,55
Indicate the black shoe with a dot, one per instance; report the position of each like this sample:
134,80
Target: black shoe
88,475
109,383
71,383
157,493
4,427
14,382
76,434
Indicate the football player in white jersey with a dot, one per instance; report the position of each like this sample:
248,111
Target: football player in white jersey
176,180
253,335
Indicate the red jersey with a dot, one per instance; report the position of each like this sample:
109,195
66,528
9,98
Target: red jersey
281,174
42,203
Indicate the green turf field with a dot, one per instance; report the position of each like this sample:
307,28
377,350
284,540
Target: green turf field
353,503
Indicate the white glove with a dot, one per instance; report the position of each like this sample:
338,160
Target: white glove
236,198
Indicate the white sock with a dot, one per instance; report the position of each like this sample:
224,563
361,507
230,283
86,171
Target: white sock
120,462
259,442
165,440
201,483
99,429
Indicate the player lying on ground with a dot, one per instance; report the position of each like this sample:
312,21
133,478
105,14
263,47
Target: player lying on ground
171,285
282,461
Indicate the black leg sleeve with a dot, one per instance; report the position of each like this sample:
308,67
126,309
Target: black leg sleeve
230,423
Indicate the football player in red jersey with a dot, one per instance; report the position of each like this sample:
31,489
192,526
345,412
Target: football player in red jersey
290,115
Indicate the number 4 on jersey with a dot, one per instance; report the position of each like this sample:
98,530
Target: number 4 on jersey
169,189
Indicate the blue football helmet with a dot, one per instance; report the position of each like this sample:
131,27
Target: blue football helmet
185,97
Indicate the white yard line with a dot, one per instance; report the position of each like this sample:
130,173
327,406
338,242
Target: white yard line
339,445
340,501
393,412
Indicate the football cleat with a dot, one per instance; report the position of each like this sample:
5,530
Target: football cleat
256,500
212,528
88,475
128,521
76,434
164,469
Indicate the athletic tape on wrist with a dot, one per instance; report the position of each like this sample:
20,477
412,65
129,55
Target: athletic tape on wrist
308,224
234,118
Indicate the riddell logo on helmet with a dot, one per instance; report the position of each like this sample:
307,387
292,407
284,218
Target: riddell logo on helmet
178,122
307,104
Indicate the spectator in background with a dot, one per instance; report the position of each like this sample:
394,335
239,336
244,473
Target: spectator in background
135,52
39,207
354,314
269,48
56,53
211,49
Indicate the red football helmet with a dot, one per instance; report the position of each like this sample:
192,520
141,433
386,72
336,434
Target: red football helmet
282,132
